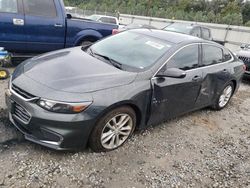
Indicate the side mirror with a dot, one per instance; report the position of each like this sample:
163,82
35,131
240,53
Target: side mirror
69,16
172,73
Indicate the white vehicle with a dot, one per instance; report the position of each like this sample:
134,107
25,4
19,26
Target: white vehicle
104,19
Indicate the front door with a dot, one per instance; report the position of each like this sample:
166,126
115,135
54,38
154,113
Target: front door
12,34
45,25
174,96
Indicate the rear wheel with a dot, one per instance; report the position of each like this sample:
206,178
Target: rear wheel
224,98
86,43
113,130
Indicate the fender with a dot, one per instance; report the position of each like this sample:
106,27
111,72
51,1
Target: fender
85,34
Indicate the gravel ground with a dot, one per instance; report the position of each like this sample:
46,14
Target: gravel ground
202,149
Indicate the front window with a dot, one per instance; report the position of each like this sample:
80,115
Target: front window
179,28
132,49
8,6
93,17
185,59
108,20
44,8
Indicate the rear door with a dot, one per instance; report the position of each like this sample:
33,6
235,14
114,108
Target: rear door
175,96
44,25
12,34
216,72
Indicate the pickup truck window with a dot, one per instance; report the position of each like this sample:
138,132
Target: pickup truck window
8,6
205,33
108,20
44,8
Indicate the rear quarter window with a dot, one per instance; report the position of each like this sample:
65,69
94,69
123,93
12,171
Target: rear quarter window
205,33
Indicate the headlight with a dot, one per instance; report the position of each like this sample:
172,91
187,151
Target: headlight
61,107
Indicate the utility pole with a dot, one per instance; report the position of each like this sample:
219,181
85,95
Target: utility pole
149,6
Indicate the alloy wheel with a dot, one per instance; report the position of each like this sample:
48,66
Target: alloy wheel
225,96
116,131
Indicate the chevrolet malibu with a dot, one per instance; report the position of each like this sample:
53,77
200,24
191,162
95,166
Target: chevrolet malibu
99,95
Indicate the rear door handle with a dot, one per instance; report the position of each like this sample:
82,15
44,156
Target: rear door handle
17,21
197,78
58,25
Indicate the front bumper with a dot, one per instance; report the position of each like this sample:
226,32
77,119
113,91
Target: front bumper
53,130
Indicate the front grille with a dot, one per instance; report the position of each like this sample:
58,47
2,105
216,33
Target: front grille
21,113
245,59
22,93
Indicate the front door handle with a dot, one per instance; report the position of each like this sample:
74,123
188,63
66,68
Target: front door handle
58,25
17,21
197,78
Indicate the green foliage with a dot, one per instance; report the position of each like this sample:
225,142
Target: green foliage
233,12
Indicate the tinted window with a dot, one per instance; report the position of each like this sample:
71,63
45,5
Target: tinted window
139,51
205,33
186,59
196,32
179,27
108,20
211,55
8,6
45,8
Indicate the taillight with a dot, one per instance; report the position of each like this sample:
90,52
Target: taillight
115,31
244,67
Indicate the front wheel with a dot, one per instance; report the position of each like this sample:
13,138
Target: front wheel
113,130
224,98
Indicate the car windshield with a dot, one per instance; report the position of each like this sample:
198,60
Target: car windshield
131,49
179,27
93,17
135,26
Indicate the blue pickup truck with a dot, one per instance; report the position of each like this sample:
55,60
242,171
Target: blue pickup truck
37,26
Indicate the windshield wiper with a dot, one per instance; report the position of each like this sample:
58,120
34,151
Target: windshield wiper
111,61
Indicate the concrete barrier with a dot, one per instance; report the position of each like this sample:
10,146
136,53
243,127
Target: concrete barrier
233,36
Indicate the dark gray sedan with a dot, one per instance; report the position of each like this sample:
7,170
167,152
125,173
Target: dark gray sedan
99,95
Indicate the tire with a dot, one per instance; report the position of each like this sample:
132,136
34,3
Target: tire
4,74
107,135
86,43
225,95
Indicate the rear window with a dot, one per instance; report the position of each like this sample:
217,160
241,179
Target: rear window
205,33
179,28
108,20
44,8
8,6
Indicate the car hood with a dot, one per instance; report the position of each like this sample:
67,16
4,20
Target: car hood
73,70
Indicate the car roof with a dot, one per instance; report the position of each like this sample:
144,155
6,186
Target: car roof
169,36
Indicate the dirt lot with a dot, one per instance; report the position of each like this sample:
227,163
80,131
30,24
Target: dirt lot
201,149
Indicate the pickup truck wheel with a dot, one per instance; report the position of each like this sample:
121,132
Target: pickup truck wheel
86,43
